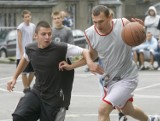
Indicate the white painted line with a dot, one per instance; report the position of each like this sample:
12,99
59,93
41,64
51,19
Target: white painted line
95,96
77,116
135,96
8,78
5,78
150,86
147,96
89,96
6,120
5,90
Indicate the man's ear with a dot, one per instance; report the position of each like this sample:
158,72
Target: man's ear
110,16
35,36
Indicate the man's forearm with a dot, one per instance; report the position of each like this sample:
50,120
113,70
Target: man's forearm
79,63
86,58
21,66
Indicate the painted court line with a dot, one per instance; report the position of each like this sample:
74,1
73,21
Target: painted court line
5,78
93,96
77,115
150,86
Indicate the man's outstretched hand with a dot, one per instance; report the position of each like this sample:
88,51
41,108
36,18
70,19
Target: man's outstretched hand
137,20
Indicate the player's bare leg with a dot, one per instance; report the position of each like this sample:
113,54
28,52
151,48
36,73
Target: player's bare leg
30,78
121,116
24,80
141,56
27,81
134,112
104,111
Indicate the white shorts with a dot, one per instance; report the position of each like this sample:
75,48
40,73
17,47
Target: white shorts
147,53
118,92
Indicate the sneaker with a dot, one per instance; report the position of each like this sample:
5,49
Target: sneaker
155,118
151,67
28,89
158,68
122,117
86,70
142,67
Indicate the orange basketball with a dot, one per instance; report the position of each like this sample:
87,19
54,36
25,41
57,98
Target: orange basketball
133,34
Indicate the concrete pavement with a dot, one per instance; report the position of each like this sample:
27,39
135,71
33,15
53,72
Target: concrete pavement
85,95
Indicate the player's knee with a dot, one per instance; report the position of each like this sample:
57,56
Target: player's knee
17,118
104,110
24,74
125,112
128,111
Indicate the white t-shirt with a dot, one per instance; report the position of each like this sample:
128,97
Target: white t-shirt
72,50
27,36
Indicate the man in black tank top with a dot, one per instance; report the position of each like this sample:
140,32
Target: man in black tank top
45,101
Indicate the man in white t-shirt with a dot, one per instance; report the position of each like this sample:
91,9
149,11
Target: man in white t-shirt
25,33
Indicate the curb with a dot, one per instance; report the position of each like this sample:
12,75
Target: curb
7,61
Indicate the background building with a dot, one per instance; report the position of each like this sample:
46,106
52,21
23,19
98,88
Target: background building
79,10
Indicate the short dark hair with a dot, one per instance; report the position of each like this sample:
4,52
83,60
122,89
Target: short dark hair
25,12
42,24
100,8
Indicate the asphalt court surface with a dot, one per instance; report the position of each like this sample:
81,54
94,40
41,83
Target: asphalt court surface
85,95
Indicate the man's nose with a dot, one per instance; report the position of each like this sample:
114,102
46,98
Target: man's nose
47,35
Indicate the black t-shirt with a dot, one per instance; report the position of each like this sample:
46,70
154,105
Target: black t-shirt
64,34
45,62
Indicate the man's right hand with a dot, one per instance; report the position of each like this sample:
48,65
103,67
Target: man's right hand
63,65
10,85
95,68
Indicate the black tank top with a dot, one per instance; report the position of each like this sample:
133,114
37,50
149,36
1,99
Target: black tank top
45,63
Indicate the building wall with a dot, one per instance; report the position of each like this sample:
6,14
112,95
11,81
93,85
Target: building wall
10,12
38,14
80,10
137,8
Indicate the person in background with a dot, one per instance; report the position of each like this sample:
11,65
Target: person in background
67,20
157,55
151,22
145,50
25,35
62,33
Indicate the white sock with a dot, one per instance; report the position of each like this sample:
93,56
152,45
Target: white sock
149,118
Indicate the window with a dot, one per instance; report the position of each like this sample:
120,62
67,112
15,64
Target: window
11,35
7,20
71,9
90,6
31,0
109,0
142,1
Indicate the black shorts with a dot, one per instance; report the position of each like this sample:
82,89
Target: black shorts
28,69
32,108
68,76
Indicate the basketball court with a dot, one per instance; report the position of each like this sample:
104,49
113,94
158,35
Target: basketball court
85,96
